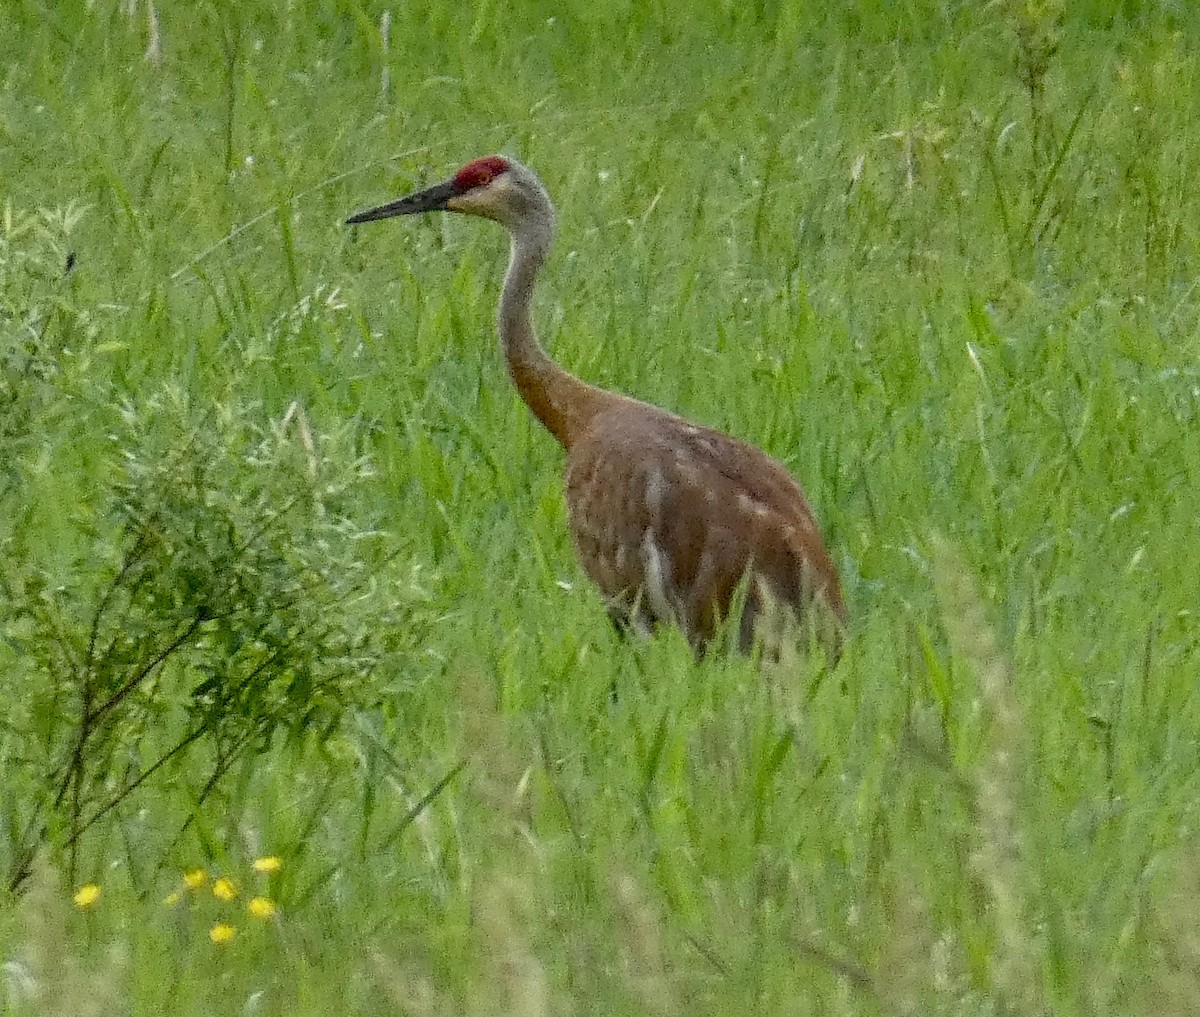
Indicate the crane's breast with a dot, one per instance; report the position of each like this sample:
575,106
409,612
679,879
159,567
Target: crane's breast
609,518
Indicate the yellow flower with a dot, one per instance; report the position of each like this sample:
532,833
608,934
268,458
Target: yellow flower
271,863
222,932
261,907
173,898
87,895
194,878
223,889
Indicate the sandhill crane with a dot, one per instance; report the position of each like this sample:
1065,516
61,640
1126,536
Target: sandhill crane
668,517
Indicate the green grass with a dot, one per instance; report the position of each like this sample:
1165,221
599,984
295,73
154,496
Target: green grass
940,258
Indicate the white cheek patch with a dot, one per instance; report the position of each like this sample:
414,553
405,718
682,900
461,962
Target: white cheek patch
488,200
468,203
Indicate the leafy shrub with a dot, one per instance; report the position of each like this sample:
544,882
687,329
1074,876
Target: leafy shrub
220,602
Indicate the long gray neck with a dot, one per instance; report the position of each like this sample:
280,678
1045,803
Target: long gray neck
530,244
560,401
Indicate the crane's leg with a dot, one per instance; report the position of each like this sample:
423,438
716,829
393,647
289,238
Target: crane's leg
627,627
630,617
630,621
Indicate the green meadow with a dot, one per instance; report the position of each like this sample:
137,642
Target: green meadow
287,601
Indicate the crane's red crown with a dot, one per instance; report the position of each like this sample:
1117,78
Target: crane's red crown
480,172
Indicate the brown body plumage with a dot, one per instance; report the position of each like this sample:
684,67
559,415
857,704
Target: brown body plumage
668,517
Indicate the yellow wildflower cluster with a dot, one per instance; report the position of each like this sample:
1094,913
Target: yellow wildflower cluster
225,890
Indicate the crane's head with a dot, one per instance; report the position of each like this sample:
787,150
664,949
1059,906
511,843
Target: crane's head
493,187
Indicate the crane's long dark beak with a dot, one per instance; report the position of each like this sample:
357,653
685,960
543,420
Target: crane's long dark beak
429,200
